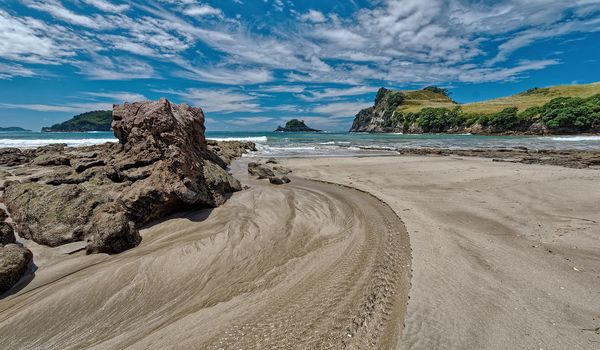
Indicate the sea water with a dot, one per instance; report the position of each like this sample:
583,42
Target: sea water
327,143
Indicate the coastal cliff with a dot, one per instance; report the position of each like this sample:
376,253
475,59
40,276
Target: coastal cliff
557,110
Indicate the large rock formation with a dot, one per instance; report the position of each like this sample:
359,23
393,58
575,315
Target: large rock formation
101,194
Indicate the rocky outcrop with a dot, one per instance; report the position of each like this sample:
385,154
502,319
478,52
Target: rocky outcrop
230,150
295,125
276,174
102,194
14,261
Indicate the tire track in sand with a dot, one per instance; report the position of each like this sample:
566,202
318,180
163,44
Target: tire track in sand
308,265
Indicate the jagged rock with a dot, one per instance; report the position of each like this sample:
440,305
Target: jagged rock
282,170
51,159
160,164
259,170
83,165
13,157
230,150
7,234
14,260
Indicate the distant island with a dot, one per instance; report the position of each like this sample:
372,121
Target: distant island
89,121
13,129
569,109
296,125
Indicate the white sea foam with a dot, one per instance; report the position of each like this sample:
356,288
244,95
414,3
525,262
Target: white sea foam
33,143
576,138
251,139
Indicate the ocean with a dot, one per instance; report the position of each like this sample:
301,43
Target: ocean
326,144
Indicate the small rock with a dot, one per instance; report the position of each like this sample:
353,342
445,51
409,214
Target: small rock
14,260
260,171
271,161
276,180
286,179
7,234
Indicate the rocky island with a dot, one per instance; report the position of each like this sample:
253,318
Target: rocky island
89,121
570,109
13,129
295,125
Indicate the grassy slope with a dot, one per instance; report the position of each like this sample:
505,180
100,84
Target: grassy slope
419,99
525,100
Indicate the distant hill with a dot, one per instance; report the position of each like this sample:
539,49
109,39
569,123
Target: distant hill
296,125
532,98
569,109
13,129
89,121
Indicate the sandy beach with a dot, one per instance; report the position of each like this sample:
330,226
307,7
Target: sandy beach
505,256
306,265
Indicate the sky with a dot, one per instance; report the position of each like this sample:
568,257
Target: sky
252,64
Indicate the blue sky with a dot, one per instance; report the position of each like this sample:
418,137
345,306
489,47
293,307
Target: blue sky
253,64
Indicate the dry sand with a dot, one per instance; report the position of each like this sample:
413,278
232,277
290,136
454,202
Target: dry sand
302,266
505,256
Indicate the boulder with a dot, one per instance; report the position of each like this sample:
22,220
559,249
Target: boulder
14,261
160,164
279,180
7,234
259,170
276,180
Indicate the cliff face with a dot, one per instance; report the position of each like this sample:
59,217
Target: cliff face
431,111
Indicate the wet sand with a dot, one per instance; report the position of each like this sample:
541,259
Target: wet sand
308,265
505,255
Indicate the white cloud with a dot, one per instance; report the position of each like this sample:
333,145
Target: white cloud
203,10
116,68
313,16
332,93
218,100
73,108
107,6
249,121
56,9
8,71
118,96
341,109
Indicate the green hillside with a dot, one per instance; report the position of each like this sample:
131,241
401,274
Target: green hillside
569,109
532,98
89,121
